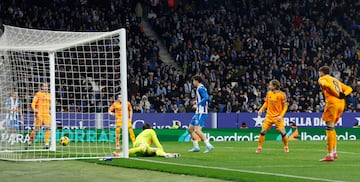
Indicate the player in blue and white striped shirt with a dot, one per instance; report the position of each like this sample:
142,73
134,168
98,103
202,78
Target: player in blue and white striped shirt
13,116
201,113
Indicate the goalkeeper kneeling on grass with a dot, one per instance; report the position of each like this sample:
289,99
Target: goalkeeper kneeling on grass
142,146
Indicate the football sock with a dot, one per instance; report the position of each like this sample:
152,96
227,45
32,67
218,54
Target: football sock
261,140
335,141
47,137
117,135
329,141
196,143
285,140
12,138
32,136
132,135
334,150
207,143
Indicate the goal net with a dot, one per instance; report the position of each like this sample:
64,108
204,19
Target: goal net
83,71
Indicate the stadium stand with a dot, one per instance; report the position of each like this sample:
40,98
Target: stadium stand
237,46
240,45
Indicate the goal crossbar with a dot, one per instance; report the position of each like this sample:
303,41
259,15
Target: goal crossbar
45,42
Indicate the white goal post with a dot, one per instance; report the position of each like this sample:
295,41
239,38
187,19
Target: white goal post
85,72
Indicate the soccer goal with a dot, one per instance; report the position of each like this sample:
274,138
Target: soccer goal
84,71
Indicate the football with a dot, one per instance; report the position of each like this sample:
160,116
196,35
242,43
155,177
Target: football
64,141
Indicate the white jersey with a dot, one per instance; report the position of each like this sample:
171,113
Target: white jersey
202,100
13,106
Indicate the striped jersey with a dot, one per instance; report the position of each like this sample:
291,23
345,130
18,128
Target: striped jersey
202,100
14,107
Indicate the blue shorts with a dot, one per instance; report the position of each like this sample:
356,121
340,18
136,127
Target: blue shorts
12,124
198,120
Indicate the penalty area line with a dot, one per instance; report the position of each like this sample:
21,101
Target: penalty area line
238,170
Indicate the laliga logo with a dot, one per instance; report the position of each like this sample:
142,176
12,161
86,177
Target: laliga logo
258,121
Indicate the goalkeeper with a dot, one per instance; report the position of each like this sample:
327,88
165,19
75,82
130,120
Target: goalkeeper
142,144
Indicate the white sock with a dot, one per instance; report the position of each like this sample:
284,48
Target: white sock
3,137
207,143
196,144
169,155
330,154
13,138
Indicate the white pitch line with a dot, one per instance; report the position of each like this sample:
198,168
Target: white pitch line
238,170
302,166
299,149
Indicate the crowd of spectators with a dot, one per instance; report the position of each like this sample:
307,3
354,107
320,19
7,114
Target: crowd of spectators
81,83
237,46
348,15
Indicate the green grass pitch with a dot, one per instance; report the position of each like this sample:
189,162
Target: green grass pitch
229,161
237,161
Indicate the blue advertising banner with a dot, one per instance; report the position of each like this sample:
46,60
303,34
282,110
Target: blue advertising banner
167,120
304,119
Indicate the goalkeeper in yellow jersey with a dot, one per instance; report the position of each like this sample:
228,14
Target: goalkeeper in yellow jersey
116,110
142,145
276,105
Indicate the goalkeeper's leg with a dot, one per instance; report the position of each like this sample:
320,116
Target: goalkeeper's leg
140,148
162,153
